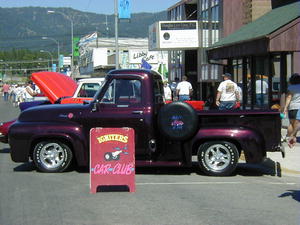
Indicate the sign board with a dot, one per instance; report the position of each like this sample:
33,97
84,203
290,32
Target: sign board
76,46
53,67
100,57
67,61
136,56
174,35
112,159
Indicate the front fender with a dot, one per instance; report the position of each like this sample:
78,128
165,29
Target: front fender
24,135
248,140
75,140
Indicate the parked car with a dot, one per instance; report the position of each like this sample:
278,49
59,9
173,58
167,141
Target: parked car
165,134
59,89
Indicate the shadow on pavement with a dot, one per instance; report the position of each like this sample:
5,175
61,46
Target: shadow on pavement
25,167
295,194
243,169
268,167
5,150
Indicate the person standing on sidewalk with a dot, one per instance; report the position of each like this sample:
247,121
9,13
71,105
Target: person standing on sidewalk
5,90
292,103
167,91
184,90
228,93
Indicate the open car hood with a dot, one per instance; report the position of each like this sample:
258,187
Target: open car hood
54,85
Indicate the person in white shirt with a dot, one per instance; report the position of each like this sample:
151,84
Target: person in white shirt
228,94
261,91
184,90
167,91
29,92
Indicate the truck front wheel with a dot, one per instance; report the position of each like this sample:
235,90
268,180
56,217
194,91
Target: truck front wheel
218,158
52,156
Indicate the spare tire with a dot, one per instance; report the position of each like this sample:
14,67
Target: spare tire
177,121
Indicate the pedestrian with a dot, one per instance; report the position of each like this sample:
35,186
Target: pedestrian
29,92
20,93
228,94
184,90
292,103
5,90
167,91
261,90
173,87
293,136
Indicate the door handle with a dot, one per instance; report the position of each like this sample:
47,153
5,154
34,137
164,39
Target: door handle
137,112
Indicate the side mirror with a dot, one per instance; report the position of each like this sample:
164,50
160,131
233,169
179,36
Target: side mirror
95,106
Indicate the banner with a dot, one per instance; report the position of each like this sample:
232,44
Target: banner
88,38
76,46
124,9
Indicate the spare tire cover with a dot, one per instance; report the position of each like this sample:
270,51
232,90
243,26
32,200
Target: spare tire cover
177,121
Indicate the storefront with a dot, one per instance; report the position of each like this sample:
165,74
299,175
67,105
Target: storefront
262,53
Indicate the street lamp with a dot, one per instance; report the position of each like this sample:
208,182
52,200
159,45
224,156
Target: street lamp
57,42
49,54
68,18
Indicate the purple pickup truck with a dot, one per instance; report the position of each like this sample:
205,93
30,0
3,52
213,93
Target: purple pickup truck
53,136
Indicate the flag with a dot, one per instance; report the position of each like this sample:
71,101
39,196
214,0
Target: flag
162,69
145,65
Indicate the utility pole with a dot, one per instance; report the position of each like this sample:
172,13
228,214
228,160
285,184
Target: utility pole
116,34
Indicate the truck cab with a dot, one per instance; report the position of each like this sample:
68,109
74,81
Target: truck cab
126,101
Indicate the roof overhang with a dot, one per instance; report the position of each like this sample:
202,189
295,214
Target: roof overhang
246,48
276,31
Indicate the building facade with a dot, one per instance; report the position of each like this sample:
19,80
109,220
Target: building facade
217,19
98,55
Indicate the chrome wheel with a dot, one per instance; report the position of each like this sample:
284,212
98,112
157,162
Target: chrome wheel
52,155
217,157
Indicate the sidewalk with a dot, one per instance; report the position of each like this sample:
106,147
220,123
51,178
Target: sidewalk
288,166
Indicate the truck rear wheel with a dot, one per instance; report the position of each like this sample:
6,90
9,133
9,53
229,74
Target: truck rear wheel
218,158
52,156
177,121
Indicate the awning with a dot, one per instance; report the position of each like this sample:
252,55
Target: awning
255,37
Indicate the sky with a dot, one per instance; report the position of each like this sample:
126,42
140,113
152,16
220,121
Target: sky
95,6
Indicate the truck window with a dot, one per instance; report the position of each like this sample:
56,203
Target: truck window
123,92
158,91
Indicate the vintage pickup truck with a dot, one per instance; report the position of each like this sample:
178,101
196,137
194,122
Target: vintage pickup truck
53,136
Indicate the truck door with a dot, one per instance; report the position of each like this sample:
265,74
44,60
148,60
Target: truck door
122,106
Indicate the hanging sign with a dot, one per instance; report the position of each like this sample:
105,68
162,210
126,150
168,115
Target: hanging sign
124,9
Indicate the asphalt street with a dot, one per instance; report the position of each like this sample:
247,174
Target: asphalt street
253,195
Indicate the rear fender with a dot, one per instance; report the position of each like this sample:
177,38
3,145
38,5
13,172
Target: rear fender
245,139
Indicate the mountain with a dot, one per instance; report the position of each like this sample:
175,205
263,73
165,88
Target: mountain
24,27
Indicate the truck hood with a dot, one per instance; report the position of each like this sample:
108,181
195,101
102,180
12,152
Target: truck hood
54,85
53,113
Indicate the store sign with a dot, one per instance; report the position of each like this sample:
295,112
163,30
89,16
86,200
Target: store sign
174,35
67,61
136,56
112,159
